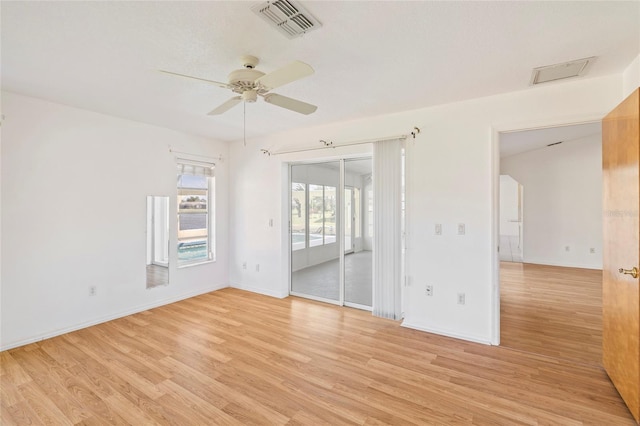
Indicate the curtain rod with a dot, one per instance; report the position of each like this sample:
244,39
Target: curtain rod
326,145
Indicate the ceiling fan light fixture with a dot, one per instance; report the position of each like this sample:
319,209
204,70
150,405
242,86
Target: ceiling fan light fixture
249,96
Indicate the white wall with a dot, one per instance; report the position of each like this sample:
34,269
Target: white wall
563,205
451,173
631,77
74,187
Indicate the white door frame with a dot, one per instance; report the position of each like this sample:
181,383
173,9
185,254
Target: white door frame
496,130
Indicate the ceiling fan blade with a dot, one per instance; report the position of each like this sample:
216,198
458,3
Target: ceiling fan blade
217,83
289,103
226,106
292,72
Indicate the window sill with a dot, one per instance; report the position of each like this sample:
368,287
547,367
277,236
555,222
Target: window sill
189,265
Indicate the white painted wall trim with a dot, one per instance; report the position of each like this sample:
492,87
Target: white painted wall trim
287,260
445,332
495,237
564,265
111,317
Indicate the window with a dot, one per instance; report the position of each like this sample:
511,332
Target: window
329,214
356,213
298,216
316,214
195,212
313,215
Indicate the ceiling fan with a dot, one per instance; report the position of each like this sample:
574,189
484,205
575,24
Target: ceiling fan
250,83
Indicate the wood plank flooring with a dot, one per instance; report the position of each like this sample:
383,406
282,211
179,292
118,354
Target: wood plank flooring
233,357
552,310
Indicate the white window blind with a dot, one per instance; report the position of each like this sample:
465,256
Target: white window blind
387,210
195,168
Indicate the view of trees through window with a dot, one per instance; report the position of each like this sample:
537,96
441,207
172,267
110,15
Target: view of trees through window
313,215
298,215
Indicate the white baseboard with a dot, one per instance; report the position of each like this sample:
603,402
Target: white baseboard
110,317
563,264
259,290
448,333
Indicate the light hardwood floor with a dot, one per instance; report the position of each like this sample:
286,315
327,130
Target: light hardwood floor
232,357
552,311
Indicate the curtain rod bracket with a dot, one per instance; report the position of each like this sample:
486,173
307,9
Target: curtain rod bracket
266,152
325,143
416,131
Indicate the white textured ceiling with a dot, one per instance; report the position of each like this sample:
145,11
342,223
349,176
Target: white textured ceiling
370,57
513,143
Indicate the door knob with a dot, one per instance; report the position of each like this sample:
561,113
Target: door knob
633,272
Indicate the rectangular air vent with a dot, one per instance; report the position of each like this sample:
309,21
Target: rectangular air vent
561,71
287,16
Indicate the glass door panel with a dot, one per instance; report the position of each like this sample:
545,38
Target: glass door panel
358,264
315,223
348,220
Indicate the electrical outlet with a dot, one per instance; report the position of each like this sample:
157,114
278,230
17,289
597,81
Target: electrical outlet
244,265
567,248
438,229
271,223
93,290
429,290
461,229
592,250
461,298
257,267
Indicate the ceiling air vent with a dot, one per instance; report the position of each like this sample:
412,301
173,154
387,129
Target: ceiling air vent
561,71
288,17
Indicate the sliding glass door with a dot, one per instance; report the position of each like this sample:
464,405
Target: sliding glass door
358,266
315,248
329,260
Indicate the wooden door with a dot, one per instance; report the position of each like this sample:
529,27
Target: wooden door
621,250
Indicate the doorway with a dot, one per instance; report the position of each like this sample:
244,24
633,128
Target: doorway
330,260
550,303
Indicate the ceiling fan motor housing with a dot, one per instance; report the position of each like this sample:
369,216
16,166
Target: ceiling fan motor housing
244,79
